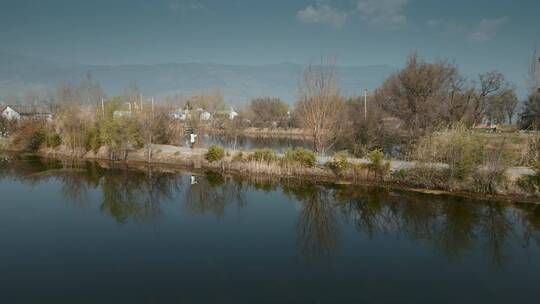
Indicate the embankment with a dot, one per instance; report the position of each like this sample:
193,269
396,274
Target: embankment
355,171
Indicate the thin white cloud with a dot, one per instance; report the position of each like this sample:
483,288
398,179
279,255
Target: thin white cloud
487,29
322,13
383,13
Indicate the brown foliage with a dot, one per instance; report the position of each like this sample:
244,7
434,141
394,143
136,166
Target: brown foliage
424,95
29,136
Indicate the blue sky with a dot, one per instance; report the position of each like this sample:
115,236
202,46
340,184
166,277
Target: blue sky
480,35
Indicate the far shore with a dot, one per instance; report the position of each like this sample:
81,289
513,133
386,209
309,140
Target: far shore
292,133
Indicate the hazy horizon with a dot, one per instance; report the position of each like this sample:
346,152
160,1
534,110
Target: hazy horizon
478,36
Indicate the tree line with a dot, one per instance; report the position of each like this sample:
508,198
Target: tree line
421,97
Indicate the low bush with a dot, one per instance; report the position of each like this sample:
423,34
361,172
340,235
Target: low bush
377,165
424,176
215,153
339,163
238,157
301,156
30,136
492,175
263,155
53,140
456,147
487,180
531,184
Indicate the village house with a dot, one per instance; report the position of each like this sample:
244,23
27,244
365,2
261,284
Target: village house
124,112
228,114
19,112
185,114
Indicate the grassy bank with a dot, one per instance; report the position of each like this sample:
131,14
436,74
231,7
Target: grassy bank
303,164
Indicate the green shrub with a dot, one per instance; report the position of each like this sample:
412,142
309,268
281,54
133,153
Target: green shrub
238,157
177,153
301,156
428,177
92,141
339,163
37,140
215,153
377,164
457,147
263,155
53,140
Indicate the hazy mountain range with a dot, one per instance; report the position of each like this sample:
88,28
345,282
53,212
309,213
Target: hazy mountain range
239,83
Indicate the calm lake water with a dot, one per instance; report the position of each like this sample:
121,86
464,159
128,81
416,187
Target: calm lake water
280,145
86,234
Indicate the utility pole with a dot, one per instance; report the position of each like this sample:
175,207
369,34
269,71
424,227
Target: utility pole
365,103
152,105
102,107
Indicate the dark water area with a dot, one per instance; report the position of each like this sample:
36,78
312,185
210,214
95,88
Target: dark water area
280,145
87,233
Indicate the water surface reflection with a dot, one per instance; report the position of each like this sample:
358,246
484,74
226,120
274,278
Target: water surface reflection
230,229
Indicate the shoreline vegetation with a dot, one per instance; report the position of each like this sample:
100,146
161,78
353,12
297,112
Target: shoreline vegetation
517,185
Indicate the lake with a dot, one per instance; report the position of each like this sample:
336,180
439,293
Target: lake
96,233
278,144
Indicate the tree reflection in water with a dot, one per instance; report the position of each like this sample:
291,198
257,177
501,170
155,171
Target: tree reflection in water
137,194
317,222
450,225
213,194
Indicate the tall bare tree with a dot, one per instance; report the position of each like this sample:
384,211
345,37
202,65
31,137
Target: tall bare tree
320,106
154,127
533,72
530,116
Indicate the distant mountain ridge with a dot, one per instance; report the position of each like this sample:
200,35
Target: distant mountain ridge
239,83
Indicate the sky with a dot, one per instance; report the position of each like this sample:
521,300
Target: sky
478,35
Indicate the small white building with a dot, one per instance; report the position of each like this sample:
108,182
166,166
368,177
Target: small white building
124,112
205,116
180,114
26,112
232,114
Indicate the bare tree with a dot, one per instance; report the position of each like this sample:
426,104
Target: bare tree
530,117
268,111
502,106
154,127
490,84
320,106
424,95
211,102
533,72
